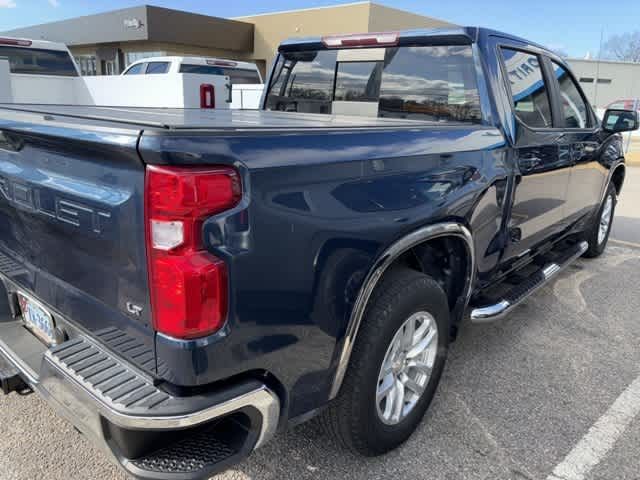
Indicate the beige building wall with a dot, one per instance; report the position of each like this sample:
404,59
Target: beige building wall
169,48
382,18
273,28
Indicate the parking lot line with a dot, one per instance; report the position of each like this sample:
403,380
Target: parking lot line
624,242
601,437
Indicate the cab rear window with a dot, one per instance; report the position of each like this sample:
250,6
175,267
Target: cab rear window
34,61
430,83
200,69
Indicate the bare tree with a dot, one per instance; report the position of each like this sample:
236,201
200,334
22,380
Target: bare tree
624,47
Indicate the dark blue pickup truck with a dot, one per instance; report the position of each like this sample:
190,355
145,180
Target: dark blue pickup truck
181,285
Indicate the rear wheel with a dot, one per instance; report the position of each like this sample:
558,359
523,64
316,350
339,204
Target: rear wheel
395,366
598,234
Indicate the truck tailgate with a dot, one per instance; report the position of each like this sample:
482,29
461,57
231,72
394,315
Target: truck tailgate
71,226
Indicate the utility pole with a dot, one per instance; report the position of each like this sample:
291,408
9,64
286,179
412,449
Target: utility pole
597,80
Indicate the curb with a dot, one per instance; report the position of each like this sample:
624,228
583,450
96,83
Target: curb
632,159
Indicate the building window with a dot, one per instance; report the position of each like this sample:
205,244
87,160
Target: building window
604,81
87,64
586,80
132,57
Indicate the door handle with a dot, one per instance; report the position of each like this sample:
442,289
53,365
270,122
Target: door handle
529,162
577,152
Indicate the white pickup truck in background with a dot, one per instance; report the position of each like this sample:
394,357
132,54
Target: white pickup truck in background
36,71
245,79
40,72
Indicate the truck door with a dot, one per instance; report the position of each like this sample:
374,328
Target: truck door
581,142
542,168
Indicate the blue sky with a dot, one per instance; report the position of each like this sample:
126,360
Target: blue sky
570,25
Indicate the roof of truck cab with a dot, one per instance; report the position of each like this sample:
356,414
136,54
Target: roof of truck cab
41,44
438,36
201,119
199,61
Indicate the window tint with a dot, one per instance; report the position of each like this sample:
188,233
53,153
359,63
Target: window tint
36,61
303,82
201,69
157,67
574,108
358,81
239,76
430,83
421,83
530,95
137,69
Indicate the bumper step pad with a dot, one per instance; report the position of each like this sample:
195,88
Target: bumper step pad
196,453
112,381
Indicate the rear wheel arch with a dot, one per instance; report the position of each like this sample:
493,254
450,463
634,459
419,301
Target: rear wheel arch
410,251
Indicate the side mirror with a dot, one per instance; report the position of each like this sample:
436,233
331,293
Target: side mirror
617,121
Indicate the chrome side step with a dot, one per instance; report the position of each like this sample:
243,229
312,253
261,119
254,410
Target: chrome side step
519,293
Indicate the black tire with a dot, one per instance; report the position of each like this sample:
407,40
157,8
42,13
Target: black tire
352,418
596,245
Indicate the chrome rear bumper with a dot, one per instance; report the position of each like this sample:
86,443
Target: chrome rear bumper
98,392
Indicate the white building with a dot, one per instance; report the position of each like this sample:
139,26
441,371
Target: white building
605,81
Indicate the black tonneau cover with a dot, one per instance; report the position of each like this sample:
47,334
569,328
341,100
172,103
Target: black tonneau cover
180,119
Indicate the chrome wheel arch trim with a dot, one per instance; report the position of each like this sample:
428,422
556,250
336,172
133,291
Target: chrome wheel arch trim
429,232
620,164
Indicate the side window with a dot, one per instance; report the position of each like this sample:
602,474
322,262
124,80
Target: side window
136,69
528,89
574,109
157,67
35,61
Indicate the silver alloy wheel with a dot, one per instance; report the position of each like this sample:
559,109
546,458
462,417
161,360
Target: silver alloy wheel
406,368
605,219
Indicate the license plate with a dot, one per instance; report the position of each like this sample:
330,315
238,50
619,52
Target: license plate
37,319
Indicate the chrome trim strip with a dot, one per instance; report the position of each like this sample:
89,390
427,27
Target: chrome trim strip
612,171
491,313
551,269
449,229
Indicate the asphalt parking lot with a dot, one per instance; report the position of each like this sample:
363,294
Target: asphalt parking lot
552,392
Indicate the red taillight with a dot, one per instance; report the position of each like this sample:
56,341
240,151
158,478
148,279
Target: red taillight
188,285
207,96
18,42
362,40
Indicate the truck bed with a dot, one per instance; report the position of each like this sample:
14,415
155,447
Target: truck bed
198,119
